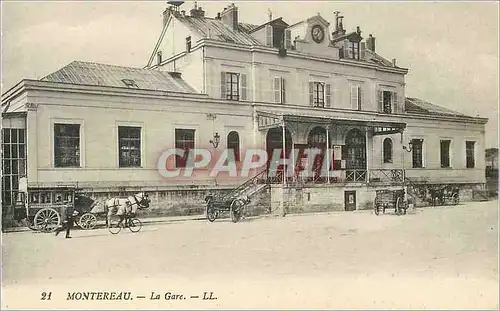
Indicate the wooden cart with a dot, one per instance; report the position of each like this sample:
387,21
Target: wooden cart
388,199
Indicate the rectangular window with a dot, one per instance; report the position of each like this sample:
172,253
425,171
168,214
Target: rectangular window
66,145
445,153
354,50
232,86
417,153
129,146
13,163
279,90
318,94
184,140
387,101
469,154
356,97
278,37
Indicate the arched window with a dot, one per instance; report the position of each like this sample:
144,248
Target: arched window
233,143
317,137
387,150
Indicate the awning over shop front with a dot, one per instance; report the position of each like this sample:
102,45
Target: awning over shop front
267,120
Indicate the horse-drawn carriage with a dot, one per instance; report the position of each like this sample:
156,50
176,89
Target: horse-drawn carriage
390,199
443,195
45,208
223,203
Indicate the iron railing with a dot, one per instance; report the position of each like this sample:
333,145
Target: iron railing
386,175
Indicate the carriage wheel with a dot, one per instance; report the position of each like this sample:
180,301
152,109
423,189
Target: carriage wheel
376,209
236,210
455,199
87,221
47,220
211,213
113,226
134,225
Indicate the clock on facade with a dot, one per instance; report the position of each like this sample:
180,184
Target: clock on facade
318,34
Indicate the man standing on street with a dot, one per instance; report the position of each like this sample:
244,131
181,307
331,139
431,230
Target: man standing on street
69,213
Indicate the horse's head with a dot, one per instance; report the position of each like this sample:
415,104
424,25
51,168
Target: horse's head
142,199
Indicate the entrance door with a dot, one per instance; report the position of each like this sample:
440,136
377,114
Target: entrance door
350,200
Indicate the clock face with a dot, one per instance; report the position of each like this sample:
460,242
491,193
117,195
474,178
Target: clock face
318,34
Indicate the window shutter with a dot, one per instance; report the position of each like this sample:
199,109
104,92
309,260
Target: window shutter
288,39
362,49
277,89
223,85
354,97
311,92
395,103
283,91
347,49
359,98
243,86
269,35
380,101
328,96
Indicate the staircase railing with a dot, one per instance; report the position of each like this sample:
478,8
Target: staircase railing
245,186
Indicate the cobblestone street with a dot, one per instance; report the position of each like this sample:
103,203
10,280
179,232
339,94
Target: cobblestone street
444,257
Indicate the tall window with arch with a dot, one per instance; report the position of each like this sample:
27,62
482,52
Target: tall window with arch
233,143
387,150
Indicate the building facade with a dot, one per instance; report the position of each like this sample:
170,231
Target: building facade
270,86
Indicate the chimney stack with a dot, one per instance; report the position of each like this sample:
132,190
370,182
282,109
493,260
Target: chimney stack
197,11
393,62
166,15
230,16
370,43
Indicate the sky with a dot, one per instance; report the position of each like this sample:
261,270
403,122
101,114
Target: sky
450,48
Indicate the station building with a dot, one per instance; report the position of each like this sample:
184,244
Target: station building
301,84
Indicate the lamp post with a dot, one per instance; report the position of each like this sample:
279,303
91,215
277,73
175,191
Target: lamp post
407,149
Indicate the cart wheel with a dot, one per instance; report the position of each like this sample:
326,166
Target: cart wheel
236,210
113,226
47,220
87,221
134,225
211,213
456,199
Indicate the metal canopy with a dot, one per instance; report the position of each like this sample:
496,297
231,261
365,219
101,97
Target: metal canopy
269,120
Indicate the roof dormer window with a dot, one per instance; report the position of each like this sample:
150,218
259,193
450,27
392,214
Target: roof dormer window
354,50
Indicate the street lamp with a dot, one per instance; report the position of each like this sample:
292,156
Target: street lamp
215,142
409,148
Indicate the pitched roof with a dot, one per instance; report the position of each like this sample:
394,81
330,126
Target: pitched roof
246,27
419,106
377,59
219,31
276,21
87,73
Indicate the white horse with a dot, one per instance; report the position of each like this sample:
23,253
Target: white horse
123,207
